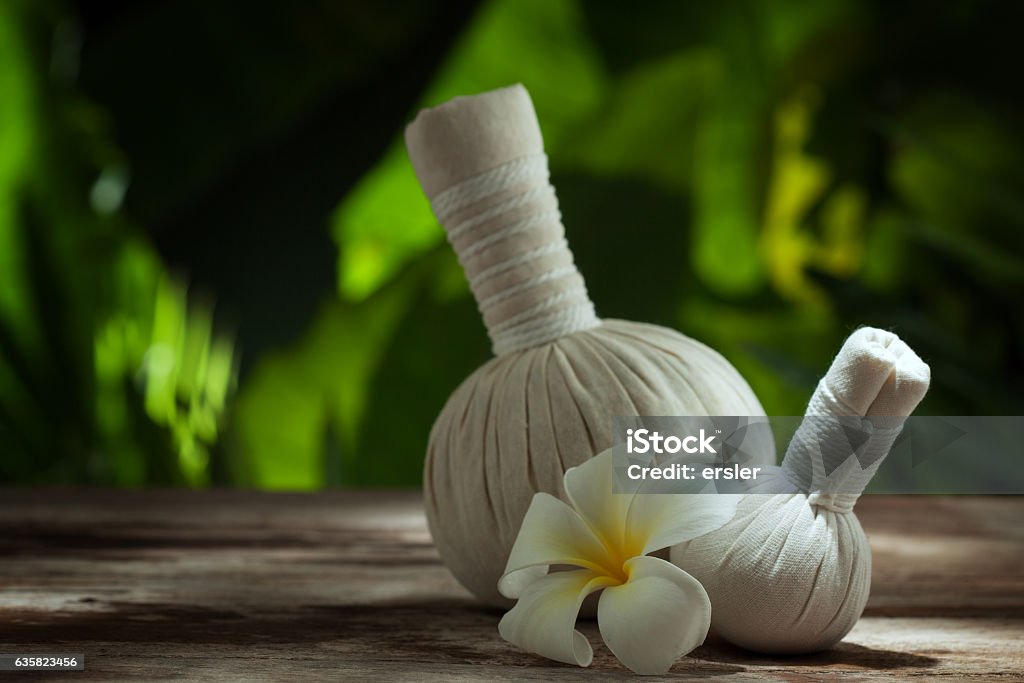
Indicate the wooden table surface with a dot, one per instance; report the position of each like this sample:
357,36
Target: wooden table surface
347,585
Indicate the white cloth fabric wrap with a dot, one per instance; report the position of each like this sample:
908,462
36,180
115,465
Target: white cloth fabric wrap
547,401
791,573
481,162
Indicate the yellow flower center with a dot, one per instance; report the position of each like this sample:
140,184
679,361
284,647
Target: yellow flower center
614,563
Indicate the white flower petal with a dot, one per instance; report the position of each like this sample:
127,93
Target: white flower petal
655,618
544,619
660,520
589,488
552,533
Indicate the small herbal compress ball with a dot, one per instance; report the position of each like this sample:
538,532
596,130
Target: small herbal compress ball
791,573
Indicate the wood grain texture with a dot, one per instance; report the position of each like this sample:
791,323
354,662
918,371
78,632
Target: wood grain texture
277,587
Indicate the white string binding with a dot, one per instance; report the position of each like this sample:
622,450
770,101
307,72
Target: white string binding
530,169
497,269
539,307
457,230
509,292
552,327
504,233
549,318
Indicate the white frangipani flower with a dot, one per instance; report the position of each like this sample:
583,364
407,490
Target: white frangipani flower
650,612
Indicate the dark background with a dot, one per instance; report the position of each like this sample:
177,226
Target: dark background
216,266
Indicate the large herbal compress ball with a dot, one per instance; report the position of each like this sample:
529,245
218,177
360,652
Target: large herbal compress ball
547,401
516,424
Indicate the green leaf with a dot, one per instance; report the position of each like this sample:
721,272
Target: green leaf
385,221
317,390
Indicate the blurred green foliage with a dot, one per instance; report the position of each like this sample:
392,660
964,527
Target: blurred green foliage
108,372
764,176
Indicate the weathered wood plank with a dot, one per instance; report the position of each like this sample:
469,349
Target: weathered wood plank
347,585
